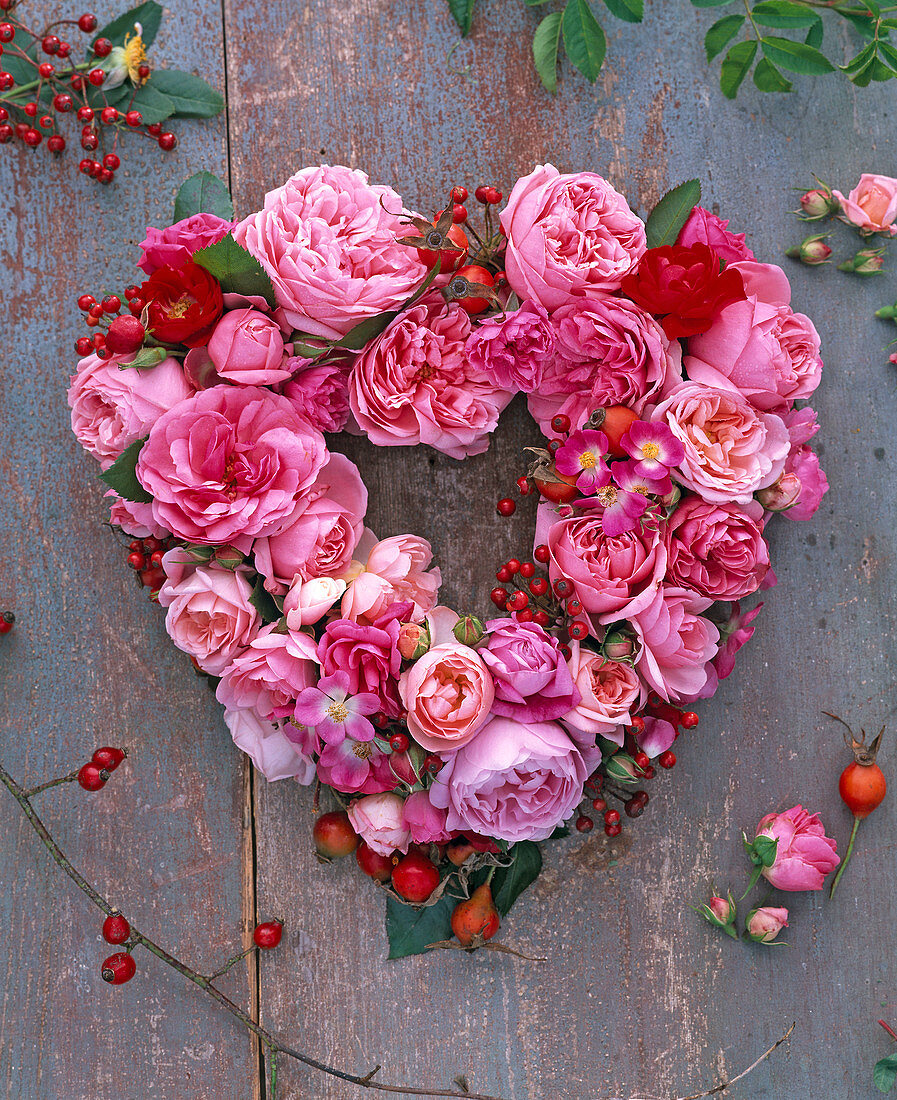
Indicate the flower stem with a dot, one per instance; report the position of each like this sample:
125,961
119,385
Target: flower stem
853,836
70,778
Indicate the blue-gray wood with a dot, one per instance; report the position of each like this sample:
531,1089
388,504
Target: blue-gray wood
638,998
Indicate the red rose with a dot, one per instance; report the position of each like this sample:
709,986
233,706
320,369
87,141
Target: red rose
183,304
685,286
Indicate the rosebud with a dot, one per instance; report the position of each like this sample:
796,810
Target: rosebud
618,646
468,630
781,495
621,766
887,313
228,557
765,923
414,640
812,250
892,358
669,500
721,913
818,203
868,261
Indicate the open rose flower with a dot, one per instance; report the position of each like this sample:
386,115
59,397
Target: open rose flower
532,681
717,549
369,653
677,643
610,694
327,238
270,673
396,569
183,304
174,245
246,346
448,694
133,518
424,821
872,205
702,227
320,394
804,854
378,819
512,350
568,236
514,781
269,748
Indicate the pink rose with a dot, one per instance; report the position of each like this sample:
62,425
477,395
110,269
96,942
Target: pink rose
246,346
174,246
378,820
133,518
568,236
702,227
735,632
677,643
416,385
270,673
424,821
323,534
513,350
766,922
229,464
308,601
396,569
448,694
513,781
610,694
266,744
731,449
532,681
369,653
209,613
804,854
320,394
327,238
871,205
802,464
112,407
716,549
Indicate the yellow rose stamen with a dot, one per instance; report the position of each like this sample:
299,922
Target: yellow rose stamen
338,712
650,450
587,460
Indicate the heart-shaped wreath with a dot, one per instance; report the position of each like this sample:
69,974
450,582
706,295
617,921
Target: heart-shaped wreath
662,362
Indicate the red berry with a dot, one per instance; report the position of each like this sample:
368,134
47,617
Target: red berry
565,651
156,559
642,796
77,82
50,44
399,742
46,121
459,214
56,143
111,303
63,102
116,929
6,132
476,916
103,353
133,118
506,507
584,824
499,597
563,588
460,288
503,575
373,864
91,777
433,763
527,569
523,486
154,129
541,617
85,165
612,817
89,141
119,968
102,47
84,114
7,32
108,115
167,141
512,565
6,82
7,621
30,109
334,836
689,720
63,50
83,345
268,935
87,22
96,77
541,553
46,70
143,72
4,114
108,757
99,340
648,773
415,877
131,292
459,194
493,195
480,194
525,616
136,561
667,759
634,807
613,830
560,423
538,586
518,601
33,138
599,804
642,760
579,630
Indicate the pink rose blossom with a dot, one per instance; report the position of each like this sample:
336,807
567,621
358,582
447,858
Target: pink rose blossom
716,549
424,821
320,394
270,673
112,407
270,750
378,820
209,613
356,767
532,681
396,569
610,692
804,854
702,227
872,205
448,694
246,346
133,518
676,643
174,246
568,236
415,384
307,602
765,923
334,713
229,464
512,350
803,463
513,781
327,238
735,632
368,653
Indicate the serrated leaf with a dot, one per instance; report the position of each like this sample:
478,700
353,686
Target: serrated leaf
768,78
545,50
151,102
508,883
584,39
264,603
238,271
630,11
884,1073
861,21
736,65
888,54
191,96
862,59
782,13
796,57
667,218
148,15
721,34
880,71
462,11
410,931
203,193
122,475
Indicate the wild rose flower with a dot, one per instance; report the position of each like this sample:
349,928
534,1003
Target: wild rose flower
113,408
872,205
804,855
424,821
512,350
368,653
378,820
183,304
514,781
320,394
655,449
677,643
356,767
610,693
415,384
229,464
308,601
735,632
396,569
269,674
266,744
765,922
448,694
246,346
702,227
174,245
622,504
582,455
532,681
717,549
333,713
327,238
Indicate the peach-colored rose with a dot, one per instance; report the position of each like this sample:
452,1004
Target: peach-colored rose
610,692
871,205
396,569
448,694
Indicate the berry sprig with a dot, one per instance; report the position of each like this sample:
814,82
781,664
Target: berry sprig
145,558
119,334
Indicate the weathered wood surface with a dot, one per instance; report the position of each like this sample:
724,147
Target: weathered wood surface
638,998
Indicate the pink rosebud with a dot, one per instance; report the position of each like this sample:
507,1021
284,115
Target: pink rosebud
721,913
811,250
792,851
379,821
414,641
868,261
765,923
781,495
818,203
247,347
618,646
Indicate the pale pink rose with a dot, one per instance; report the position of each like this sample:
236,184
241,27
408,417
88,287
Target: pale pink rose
513,350
327,238
415,384
378,820
174,246
871,205
133,518
320,540
804,854
270,673
246,346
677,643
320,394
765,922
611,693
308,601
266,744
702,227
424,821
230,464
112,407
716,549
209,613
568,236
731,449
396,569
513,781
448,694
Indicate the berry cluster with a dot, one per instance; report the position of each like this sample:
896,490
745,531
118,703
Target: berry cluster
121,334
94,774
145,558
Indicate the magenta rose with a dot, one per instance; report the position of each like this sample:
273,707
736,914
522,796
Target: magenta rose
532,681
266,744
327,238
320,394
415,384
320,540
803,464
716,549
369,653
804,854
513,350
735,632
610,694
677,643
568,236
270,673
702,227
378,820
731,449
872,205
113,407
246,346
174,246
424,821
513,781
397,568
448,694
229,464
209,613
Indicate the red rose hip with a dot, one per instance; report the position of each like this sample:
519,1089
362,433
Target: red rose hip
334,836
415,877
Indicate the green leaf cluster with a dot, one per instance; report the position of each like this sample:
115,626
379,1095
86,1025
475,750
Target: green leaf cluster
884,1073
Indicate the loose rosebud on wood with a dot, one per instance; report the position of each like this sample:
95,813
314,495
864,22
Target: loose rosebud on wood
811,251
868,261
721,913
765,922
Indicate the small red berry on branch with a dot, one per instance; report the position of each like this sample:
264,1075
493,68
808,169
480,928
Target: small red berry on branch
119,968
116,929
268,935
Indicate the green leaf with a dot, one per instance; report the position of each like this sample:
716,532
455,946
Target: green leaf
721,34
815,34
888,54
462,10
508,883
861,21
122,475
264,603
203,193
22,71
584,39
671,213
783,13
545,50
191,96
768,78
796,57
410,931
861,61
238,271
736,65
630,11
710,3
884,1073
148,15
151,102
